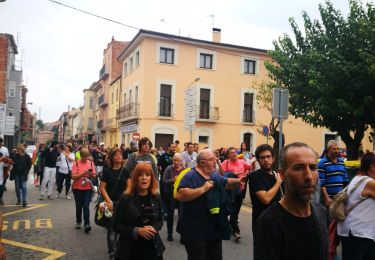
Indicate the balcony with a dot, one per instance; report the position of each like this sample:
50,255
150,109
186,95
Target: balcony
128,112
248,116
100,124
165,109
207,114
111,124
102,73
101,101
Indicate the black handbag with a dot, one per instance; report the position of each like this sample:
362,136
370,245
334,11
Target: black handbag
100,219
158,245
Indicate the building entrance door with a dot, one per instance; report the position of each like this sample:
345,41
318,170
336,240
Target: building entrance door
163,140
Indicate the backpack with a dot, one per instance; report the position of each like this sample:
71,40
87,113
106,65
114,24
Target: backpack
337,209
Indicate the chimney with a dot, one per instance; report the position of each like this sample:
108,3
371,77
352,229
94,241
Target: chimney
216,35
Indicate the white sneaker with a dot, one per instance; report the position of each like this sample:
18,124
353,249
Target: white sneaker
68,198
58,195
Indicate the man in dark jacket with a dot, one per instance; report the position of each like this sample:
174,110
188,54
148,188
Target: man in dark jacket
49,174
295,227
20,170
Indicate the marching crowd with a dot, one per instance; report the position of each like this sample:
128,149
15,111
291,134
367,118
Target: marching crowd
139,187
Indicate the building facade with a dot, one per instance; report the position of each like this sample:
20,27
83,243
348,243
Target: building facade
181,88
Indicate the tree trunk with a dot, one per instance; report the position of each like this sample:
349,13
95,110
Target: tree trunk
352,144
275,136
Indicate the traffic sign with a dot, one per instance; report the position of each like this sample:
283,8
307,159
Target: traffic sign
136,136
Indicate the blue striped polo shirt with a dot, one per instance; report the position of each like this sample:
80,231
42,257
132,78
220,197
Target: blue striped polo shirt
332,175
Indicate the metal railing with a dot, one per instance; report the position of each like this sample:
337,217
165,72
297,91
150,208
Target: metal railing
165,109
127,111
204,113
248,115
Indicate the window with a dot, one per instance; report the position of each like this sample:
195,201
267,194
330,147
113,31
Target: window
10,114
165,100
126,68
203,139
249,66
113,96
248,108
204,103
12,91
205,61
166,55
91,102
131,64
137,59
91,123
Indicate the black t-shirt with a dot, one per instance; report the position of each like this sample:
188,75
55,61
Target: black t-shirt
281,235
50,157
260,180
110,177
126,153
164,160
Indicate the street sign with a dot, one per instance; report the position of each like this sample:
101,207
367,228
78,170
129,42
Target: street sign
10,123
189,116
136,136
280,103
2,119
266,130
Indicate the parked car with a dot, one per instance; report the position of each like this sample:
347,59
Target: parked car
30,149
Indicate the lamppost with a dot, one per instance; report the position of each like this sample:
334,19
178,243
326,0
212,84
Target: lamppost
190,108
65,123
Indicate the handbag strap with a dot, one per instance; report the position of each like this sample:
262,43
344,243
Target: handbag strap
67,163
360,200
116,184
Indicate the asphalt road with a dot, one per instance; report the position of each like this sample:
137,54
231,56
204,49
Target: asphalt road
45,230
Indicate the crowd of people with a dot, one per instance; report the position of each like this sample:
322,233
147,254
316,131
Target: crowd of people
141,187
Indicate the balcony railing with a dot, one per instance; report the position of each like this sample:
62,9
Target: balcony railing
100,124
101,101
111,123
248,115
128,111
209,114
165,109
102,73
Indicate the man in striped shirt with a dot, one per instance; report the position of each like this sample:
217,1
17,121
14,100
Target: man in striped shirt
332,173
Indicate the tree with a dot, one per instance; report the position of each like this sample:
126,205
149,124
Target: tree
40,124
264,99
330,71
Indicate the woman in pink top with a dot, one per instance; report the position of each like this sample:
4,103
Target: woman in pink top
239,168
83,172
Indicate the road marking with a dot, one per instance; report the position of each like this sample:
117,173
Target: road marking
34,206
53,254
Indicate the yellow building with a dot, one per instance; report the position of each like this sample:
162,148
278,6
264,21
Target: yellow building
159,68
88,116
111,126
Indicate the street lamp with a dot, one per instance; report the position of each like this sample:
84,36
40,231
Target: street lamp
65,123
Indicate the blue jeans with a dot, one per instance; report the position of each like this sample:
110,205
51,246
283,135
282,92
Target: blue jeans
82,199
20,187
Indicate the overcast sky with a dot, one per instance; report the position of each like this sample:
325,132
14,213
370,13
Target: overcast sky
63,49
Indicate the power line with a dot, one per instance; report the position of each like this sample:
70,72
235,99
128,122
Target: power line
135,28
92,14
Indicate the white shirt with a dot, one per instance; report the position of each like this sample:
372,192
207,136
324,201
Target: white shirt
64,162
189,160
360,221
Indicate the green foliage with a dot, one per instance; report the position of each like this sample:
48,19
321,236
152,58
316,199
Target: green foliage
40,124
329,70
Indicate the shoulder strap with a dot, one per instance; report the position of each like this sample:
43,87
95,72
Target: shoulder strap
360,200
67,163
116,184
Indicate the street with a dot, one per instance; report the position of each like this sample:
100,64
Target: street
45,230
